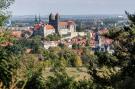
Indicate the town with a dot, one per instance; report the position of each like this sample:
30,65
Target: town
67,34
71,44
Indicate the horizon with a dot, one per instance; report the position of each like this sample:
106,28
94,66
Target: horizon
84,15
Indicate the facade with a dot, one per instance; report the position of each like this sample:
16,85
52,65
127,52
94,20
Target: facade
48,29
43,30
99,42
64,28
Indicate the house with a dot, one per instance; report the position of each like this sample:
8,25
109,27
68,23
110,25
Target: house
48,29
16,34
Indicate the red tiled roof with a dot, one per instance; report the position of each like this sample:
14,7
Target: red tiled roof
63,23
37,26
49,27
71,22
17,34
66,23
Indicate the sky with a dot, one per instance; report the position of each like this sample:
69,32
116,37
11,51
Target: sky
72,7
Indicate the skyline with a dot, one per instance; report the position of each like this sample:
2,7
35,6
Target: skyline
72,7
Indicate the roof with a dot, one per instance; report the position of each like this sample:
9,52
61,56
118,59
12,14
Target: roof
66,23
49,27
37,26
71,22
63,23
17,34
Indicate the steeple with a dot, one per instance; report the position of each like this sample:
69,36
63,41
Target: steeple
39,19
51,17
57,16
36,20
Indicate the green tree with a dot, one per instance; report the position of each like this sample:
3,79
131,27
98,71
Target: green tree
117,70
4,4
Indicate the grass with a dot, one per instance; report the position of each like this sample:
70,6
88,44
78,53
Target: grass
80,74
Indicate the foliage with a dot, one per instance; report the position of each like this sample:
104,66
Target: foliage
3,18
87,56
66,56
36,81
117,70
85,84
53,37
8,63
62,45
76,46
4,4
5,37
60,80
77,61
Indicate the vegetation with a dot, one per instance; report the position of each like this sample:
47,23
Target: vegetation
53,37
19,70
66,56
117,70
4,4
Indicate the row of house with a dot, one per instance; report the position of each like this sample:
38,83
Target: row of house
67,30
97,42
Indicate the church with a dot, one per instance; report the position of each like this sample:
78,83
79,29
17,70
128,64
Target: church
66,29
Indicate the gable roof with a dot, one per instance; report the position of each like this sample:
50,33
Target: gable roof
66,23
63,23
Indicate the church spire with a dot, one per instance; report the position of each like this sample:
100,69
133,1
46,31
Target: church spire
57,16
39,19
36,20
51,17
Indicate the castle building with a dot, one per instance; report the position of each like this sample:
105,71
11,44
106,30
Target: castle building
63,28
66,29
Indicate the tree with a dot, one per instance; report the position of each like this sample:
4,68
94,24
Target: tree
60,80
74,46
53,37
77,61
117,70
4,4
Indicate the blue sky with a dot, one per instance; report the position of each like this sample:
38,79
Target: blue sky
72,7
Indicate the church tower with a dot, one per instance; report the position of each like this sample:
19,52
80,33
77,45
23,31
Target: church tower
51,17
39,19
57,18
52,20
36,20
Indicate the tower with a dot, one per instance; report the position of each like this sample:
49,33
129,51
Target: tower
39,19
51,17
36,20
57,17
54,21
